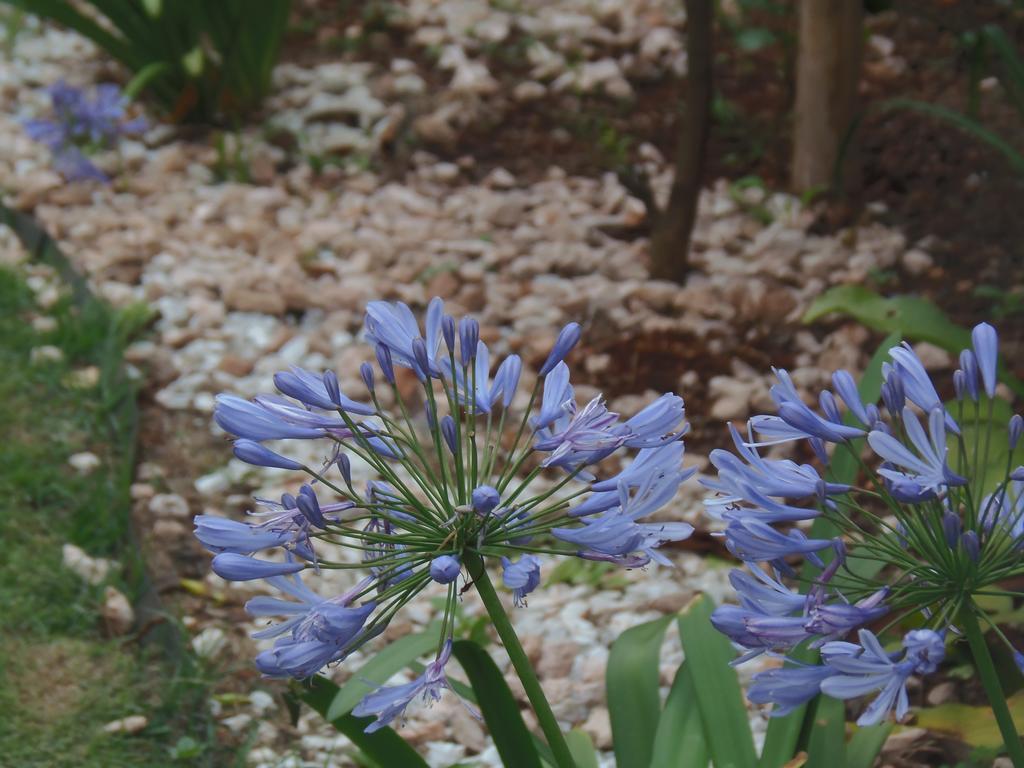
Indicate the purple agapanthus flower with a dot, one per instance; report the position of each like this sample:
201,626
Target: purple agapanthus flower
522,576
389,702
904,502
82,122
462,477
869,669
318,631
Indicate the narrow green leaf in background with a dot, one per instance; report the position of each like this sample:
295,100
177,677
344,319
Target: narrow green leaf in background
631,682
582,749
679,741
865,744
716,687
498,706
384,746
392,658
913,318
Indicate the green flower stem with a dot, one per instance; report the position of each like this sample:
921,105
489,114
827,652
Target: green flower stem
994,691
507,633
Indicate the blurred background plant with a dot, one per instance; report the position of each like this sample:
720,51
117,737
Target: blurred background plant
199,61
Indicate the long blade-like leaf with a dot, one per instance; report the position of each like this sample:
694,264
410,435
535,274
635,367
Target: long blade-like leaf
826,746
865,744
582,749
716,687
383,746
964,123
679,741
632,687
498,706
393,657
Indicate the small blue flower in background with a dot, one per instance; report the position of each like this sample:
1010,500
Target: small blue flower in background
389,702
521,577
929,524
451,489
82,123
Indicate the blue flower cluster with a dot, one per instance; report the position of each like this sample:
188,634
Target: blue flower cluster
451,490
80,124
935,520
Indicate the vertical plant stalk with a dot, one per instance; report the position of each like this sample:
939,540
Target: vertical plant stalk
672,227
507,633
993,690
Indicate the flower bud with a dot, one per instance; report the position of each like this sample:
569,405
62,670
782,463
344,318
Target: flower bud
1015,430
959,384
568,337
232,566
331,385
448,433
384,361
366,371
345,467
971,544
986,350
829,407
448,331
969,365
309,506
252,452
444,569
420,359
893,395
469,335
485,498
951,528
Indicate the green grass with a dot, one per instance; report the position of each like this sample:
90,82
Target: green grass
61,678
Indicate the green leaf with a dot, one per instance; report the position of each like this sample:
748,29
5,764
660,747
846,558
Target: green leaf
976,424
753,39
826,745
498,706
964,123
192,61
393,657
973,725
582,748
631,682
910,317
716,688
383,746
144,77
679,741
865,744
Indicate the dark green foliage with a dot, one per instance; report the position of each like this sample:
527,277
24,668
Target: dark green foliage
200,60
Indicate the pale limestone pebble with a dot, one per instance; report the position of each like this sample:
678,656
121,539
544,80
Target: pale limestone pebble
210,643
170,505
93,570
127,725
170,530
933,358
45,353
917,262
84,462
116,612
441,754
